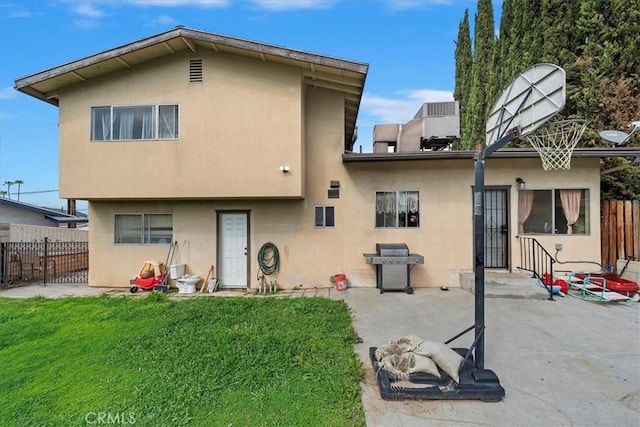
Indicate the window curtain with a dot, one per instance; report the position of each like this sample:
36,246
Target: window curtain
386,203
168,121
525,203
125,130
571,206
106,126
147,123
412,201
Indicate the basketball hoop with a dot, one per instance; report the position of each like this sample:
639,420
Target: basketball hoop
555,142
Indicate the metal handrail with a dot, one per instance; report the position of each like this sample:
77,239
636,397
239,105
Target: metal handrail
535,259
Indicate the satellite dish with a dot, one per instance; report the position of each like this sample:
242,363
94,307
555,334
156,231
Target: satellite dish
533,97
615,137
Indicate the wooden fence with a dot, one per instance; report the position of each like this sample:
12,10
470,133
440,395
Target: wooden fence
620,230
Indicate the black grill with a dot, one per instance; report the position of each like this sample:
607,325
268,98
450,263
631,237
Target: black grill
393,263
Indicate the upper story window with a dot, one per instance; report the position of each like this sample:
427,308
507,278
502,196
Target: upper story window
397,209
555,211
134,122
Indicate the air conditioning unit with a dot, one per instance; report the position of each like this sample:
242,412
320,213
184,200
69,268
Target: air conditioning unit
440,123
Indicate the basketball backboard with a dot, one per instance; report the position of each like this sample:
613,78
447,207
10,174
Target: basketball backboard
533,97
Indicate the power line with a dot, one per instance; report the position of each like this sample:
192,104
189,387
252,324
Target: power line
35,192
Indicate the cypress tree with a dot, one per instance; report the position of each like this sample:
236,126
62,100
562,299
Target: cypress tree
464,61
625,33
561,43
484,40
503,67
514,44
560,40
532,36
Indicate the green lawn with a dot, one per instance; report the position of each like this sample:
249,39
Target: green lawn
156,361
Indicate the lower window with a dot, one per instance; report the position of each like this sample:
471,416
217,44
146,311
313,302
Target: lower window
324,216
556,211
144,229
397,209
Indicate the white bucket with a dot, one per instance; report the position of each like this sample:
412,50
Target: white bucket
176,271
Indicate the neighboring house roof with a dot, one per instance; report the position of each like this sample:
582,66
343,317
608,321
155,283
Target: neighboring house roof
52,214
511,153
318,70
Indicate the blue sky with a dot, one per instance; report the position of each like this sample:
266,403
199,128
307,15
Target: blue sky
408,44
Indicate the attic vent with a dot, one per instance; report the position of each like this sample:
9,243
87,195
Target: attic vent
195,70
438,109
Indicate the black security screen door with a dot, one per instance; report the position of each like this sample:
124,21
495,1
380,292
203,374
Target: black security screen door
496,228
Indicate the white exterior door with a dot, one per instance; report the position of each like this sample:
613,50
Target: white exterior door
233,250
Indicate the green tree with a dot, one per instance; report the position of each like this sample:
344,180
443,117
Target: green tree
464,61
19,183
504,70
475,111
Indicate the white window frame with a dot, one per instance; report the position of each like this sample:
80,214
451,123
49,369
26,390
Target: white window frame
108,135
320,221
556,209
145,231
407,223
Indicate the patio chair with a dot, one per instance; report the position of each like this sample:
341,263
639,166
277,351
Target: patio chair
19,269
35,261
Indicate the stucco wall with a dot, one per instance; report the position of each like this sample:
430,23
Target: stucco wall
31,233
309,255
237,128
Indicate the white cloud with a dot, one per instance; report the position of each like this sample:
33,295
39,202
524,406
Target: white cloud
176,3
403,108
163,20
7,93
88,10
415,4
282,5
86,24
14,10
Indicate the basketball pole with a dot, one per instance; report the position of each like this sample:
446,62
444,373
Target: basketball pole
478,234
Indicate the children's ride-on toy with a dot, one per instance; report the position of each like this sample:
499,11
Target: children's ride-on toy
152,276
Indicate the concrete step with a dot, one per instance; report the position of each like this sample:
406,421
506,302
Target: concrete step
506,285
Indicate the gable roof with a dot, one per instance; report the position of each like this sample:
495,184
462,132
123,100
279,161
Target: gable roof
52,214
341,75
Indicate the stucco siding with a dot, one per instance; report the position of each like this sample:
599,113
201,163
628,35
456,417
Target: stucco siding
237,128
310,255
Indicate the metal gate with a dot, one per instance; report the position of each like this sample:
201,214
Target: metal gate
496,228
44,262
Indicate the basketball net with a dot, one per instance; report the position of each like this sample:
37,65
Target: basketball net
555,142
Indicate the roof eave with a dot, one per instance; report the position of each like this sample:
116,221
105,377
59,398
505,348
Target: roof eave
507,153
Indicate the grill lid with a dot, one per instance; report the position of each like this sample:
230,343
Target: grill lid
392,249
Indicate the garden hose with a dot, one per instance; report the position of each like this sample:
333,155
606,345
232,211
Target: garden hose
268,258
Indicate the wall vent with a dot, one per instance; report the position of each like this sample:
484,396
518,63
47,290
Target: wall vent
195,70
